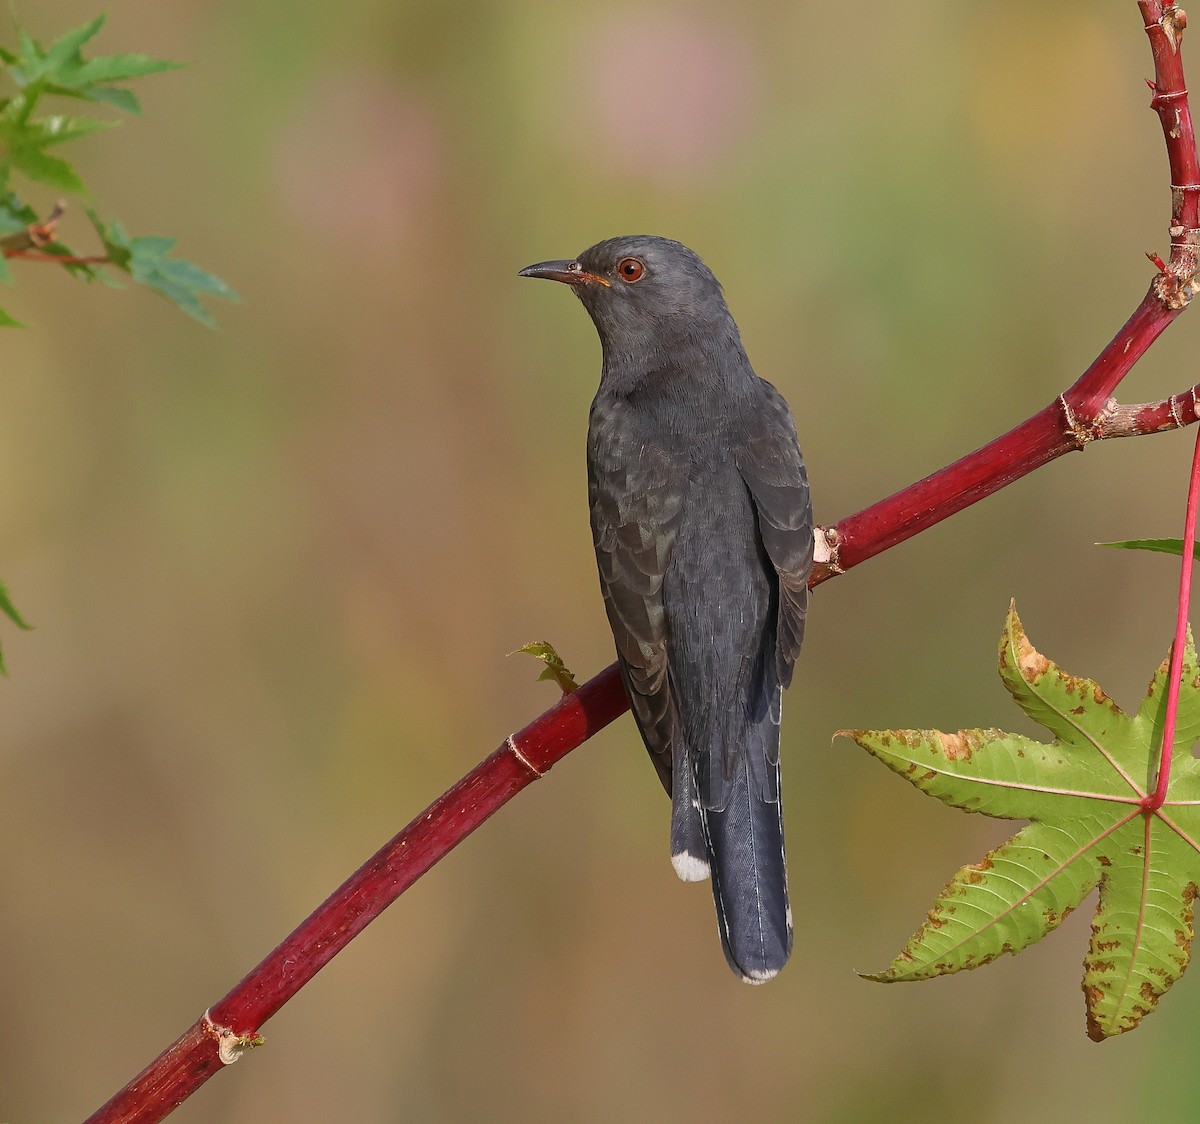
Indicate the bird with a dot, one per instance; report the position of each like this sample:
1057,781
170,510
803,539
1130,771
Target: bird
702,524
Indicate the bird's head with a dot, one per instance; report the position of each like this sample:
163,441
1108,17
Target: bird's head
643,293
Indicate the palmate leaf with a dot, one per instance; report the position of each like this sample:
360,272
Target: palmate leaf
1082,794
61,69
147,260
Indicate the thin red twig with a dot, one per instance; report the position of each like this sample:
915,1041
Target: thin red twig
58,259
1156,799
1176,284
1084,413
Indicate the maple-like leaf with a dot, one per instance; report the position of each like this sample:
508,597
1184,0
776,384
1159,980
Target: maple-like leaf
1085,795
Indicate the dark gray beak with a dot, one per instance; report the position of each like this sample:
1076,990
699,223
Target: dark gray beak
569,272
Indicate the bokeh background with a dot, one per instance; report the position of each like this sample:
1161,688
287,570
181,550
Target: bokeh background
276,568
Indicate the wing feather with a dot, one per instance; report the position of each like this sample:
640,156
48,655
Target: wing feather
773,469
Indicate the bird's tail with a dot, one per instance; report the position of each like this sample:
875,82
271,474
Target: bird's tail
749,875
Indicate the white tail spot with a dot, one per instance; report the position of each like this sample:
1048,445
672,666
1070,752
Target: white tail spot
689,867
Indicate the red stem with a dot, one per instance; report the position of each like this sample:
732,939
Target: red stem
233,1022
1084,413
1159,796
1070,422
58,259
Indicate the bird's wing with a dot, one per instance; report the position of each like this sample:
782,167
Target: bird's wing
636,507
770,463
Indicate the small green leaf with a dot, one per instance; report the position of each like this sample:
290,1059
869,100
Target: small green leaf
64,50
146,260
50,170
78,269
116,96
10,611
120,68
1160,546
63,70
7,321
59,128
15,215
555,669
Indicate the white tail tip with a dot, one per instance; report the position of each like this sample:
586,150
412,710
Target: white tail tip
689,868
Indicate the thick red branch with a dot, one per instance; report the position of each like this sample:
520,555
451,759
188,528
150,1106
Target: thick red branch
1070,422
1083,413
232,1023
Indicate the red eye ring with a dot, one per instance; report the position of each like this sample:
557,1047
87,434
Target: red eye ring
630,270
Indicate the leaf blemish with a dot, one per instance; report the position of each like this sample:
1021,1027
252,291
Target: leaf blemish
956,747
1032,663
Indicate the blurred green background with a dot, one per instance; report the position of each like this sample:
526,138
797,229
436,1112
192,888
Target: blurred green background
275,569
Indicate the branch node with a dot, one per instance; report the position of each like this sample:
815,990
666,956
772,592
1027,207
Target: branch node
1173,21
512,745
230,1045
1105,416
826,542
36,235
1175,292
1081,433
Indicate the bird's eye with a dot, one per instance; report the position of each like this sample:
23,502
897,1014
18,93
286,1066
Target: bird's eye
630,269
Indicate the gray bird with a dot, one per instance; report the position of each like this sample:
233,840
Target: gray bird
702,525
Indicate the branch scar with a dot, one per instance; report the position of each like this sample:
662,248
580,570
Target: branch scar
512,745
230,1045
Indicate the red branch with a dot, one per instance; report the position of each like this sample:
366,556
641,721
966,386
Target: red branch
1084,413
1156,799
231,1025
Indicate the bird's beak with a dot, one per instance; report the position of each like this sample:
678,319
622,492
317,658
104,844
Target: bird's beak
569,272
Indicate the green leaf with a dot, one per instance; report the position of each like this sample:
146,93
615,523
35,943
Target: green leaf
116,96
10,611
63,70
65,50
80,270
7,321
50,170
15,215
1161,546
59,128
1082,794
146,259
120,68
555,669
